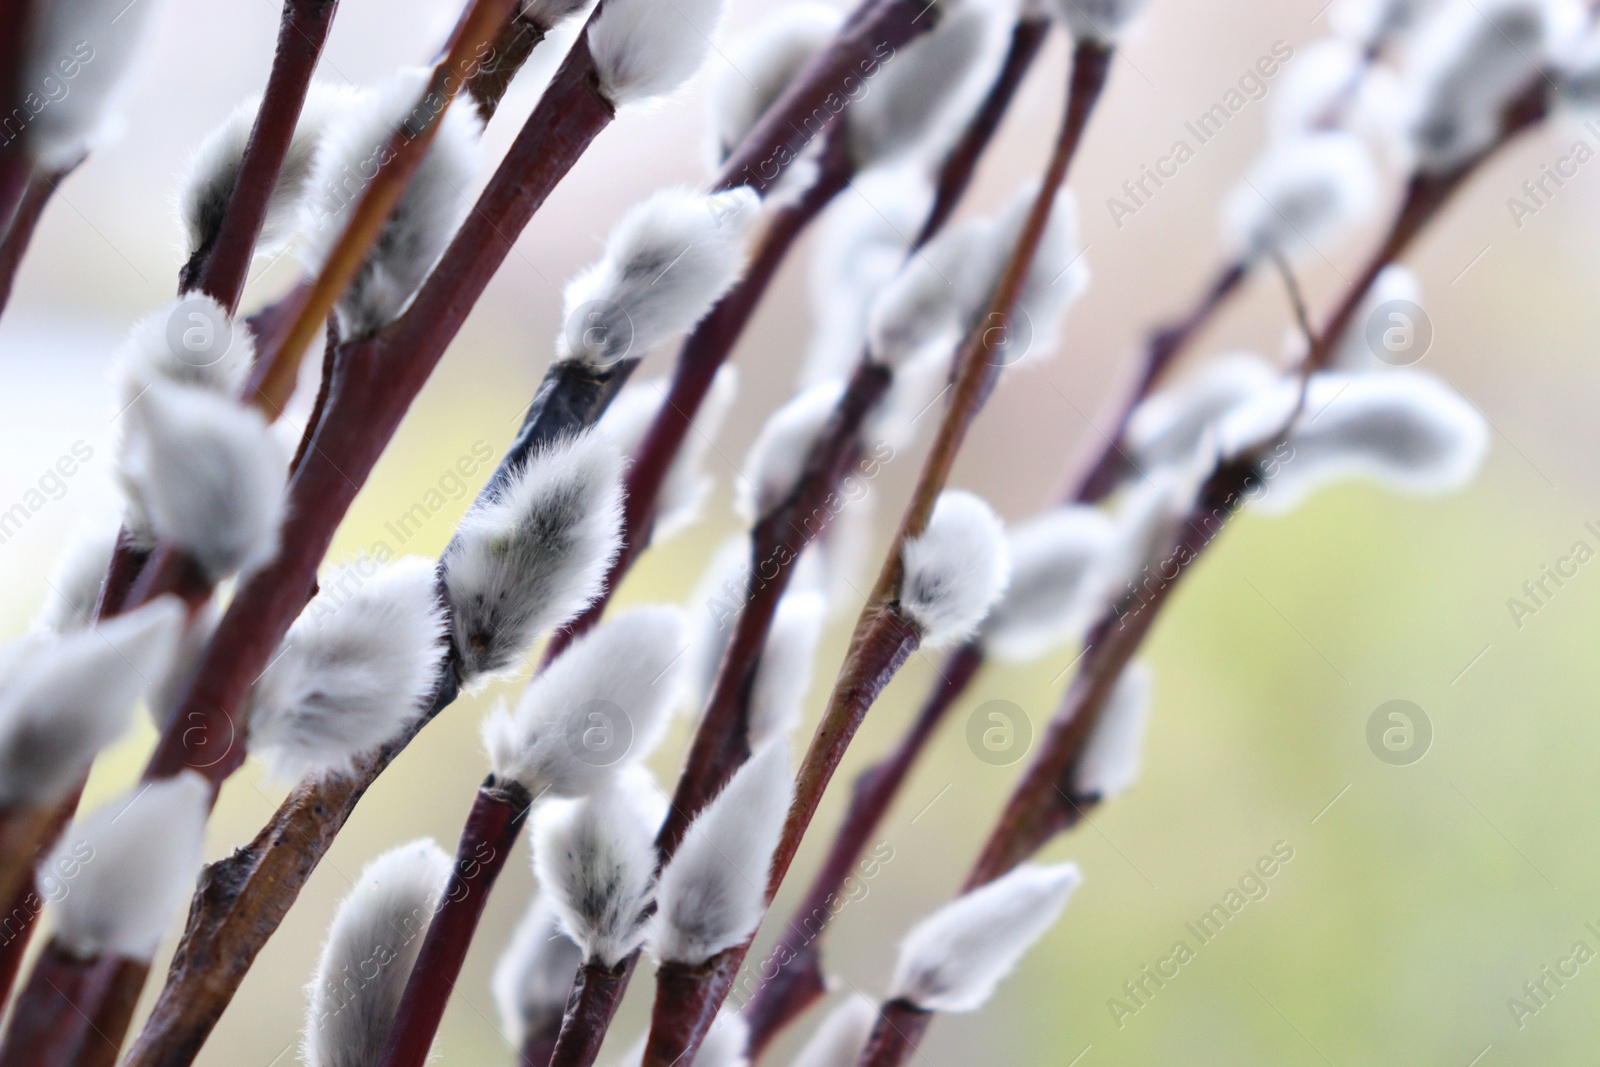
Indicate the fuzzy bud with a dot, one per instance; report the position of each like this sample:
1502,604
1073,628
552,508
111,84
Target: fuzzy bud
535,555
596,858
777,458
1396,285
760,65
354,148
955,570
602,701
372,946
712,892
191,341
64,698
126,869
1110,760
75,584
667,261
79,58
1305,191
355,668
1311,90
534,974
687,484
919,100
861,245
953,959
1472,58
644,49
841,1035
203,472
783,677
1058,582
1403,429
1169,426
208,184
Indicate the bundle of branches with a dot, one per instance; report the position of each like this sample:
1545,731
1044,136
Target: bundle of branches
215,604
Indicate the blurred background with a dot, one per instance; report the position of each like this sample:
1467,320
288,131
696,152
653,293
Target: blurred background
1418,899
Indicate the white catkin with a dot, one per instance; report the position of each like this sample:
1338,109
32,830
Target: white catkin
1110,760
192,341
596,858
1305,192
204,473
861,243
213,170
1471,59
81,55
534,974
353,150
667,261
121,874
919,98
535,554
687,484
1168,426
1387,329
353,670
711,893
65,697
1312,88
1059,582
783,677
372,946
714,608
644,49
74,583
761,63
953,959
955,570
602,701
1403,429
548,14
842,1034
777,457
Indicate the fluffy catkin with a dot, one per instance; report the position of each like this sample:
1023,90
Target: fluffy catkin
120,875
760,65
711,893
213,171
356,666
191,340
644,49
536,554
777,457
596,858
353,150
842,1034
1110,760
603,701
75,583
1059,582
534,974
372,945
64,697
955,570
667,261
953,959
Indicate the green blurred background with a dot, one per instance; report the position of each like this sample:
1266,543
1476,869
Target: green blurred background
1419,898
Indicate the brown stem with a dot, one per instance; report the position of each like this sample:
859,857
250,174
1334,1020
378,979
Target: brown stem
26,836
1027,37
51,1022
539,1043
895,1036
509,50
1163,347
406,148
23,224
491,829
683,1012
110,1024
797,982
720,743
593,1004
219,268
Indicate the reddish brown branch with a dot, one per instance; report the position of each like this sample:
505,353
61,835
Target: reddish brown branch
896,1034
220,267
491,829
596,992
52,1021
14,245
797,981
